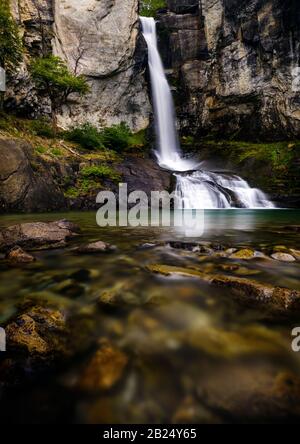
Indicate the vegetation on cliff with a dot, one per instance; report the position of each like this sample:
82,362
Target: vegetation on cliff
148,8
10,41
53,79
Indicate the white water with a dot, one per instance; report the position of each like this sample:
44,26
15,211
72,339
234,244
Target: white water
199,189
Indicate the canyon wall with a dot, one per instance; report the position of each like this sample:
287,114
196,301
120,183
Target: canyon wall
99,39
234,66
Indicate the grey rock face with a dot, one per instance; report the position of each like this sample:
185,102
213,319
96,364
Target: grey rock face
99,39
236,66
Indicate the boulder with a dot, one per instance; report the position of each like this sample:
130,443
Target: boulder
38,333
37,234
283,257
26,184
18,256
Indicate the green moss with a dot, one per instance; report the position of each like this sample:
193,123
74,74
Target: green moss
148,8
40,149
100,172
41,128
56,152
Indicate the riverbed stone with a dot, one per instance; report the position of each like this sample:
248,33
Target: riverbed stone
38,333
276,300
104,370
295,253
244,254
283,257
260,392
95,248
37,234
18,256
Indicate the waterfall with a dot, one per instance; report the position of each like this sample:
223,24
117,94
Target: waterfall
197,188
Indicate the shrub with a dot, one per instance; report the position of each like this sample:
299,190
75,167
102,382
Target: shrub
41,128
10,42
87,136
117,137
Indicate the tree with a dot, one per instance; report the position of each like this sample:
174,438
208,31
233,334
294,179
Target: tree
53,79
10,42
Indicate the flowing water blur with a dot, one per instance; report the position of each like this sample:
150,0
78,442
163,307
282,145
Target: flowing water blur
184,339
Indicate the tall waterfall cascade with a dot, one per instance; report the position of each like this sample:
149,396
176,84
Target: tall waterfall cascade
198,188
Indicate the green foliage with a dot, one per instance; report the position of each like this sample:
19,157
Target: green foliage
56,152
148,8
40,149
10,41
41,128
53,78
87,136
100,172
116,137
271,166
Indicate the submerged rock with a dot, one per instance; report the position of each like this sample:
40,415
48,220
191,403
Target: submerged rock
18,256
38,333
283,257
295,253
260,392
244,254
277,300
104,370
95,248
37,234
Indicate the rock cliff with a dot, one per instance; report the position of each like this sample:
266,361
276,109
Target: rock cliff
234,65
99,39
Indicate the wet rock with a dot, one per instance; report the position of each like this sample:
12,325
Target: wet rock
37,234
295,253
69,288
244,254
168,270
38,333
189,246
95,248
147,246
261,392
283,257
121,295
18,256
104,370
278,300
